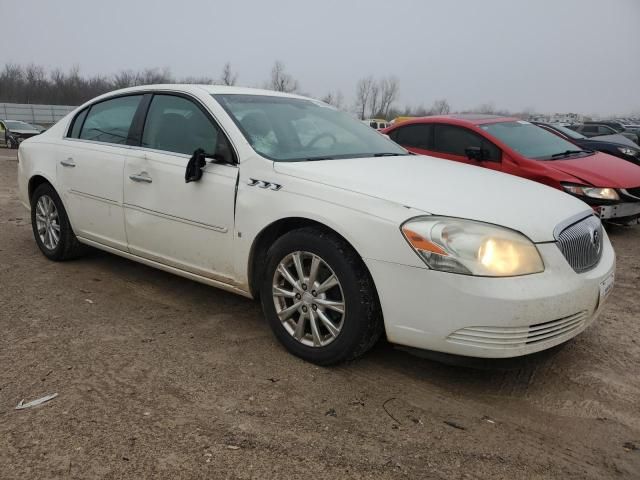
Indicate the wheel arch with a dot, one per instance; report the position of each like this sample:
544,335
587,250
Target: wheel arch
270,233
34,182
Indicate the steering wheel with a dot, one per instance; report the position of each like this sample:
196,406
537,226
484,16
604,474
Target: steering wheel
322,135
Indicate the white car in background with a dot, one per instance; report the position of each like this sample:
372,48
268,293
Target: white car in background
340,232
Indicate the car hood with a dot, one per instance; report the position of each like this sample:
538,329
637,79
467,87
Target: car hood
25,132
617,138
447,188
600,170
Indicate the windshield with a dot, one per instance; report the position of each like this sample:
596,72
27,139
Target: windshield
17,125
569,133
531,141
292,129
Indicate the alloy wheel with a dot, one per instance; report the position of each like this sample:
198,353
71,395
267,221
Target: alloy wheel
309,299
47,222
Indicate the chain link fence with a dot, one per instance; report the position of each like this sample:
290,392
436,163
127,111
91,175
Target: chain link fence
45,115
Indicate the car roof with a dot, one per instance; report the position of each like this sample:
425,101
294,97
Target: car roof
199,88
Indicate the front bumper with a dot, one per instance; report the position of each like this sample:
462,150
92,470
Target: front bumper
490,317
619,211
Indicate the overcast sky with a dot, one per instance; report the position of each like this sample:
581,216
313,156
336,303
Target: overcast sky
554,56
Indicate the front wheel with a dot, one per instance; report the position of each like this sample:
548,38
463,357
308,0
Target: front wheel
319,298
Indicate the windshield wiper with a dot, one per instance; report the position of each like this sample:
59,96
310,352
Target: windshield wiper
313,159
389,154
566,153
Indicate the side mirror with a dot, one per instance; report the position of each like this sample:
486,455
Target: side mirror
475,153
193,172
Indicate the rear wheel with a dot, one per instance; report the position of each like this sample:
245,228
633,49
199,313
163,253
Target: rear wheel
319,298
51,227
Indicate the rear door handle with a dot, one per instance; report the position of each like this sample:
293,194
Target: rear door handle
141,177
68,162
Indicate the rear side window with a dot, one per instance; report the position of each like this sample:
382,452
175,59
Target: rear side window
109,121
176,124
77,124
418,136
455,140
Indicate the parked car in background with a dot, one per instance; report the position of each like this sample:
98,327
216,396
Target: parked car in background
340,232
377,123
593,129
633,128
622,150
609,184
13,132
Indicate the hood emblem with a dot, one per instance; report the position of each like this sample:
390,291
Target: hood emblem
596,240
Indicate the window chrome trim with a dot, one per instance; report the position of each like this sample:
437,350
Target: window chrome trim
151,91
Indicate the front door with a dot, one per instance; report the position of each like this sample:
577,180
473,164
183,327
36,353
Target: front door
451,142
184,225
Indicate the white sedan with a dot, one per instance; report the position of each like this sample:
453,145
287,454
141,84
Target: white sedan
340,232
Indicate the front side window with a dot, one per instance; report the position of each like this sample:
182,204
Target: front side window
531,141
417,136
455,141
109,121
288,129
176,124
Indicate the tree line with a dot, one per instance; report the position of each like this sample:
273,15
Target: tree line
374,97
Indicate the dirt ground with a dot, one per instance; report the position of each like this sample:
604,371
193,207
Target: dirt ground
161,377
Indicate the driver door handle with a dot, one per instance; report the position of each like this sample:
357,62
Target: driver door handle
68,162
142,177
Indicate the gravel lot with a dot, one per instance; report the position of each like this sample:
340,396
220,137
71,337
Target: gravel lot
161,377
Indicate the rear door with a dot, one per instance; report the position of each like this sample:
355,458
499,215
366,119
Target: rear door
416,137
184,225
90,168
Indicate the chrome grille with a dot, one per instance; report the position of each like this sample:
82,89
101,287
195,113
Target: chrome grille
581,243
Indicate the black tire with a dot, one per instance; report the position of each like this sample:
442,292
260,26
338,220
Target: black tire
362,324
68,246
11,144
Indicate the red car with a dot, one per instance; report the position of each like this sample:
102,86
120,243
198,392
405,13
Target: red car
609,184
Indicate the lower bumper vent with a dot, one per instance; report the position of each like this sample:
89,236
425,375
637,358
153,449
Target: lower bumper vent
516,337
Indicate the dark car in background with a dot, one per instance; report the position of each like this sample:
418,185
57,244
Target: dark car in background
620,150
610,185
13,132
594,129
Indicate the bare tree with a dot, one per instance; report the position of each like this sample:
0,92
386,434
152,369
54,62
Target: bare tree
440,107
374,100
281,81
487,108
229,77
363,95
336,99
389,90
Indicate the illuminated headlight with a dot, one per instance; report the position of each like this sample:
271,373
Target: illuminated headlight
632,152
592,192
471,248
